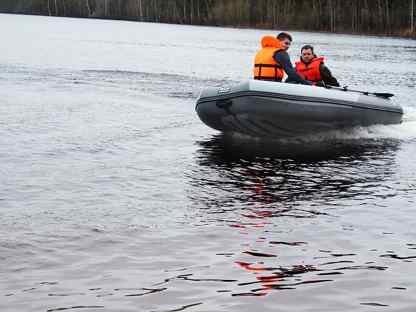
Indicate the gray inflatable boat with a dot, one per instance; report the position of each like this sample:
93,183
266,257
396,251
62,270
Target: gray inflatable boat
282,110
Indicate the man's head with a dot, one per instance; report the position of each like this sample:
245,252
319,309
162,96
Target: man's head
285,39
307,53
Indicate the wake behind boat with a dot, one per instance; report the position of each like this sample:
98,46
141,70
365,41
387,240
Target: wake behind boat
282,110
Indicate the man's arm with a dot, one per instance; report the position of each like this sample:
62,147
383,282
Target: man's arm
327,77
282,58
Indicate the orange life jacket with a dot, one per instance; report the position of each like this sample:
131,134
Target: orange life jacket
265,67
311,70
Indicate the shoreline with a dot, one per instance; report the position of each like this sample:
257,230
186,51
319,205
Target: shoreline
400,35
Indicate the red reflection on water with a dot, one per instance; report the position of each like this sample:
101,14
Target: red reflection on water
267,281
252,268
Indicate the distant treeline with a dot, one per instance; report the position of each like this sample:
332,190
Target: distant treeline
394,17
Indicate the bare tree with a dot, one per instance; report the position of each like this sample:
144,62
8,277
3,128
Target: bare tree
388,26
87,4
191,18
140,10
64,7
49,9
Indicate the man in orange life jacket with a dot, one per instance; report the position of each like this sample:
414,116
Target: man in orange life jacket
312,68
272,60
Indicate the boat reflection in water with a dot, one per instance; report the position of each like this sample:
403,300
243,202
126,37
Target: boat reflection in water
281,197
290,173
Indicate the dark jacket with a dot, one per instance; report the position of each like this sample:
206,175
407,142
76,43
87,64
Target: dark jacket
282,58
327,77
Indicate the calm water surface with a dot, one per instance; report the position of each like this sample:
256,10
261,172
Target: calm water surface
115,197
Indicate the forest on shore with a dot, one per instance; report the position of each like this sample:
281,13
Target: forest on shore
384,17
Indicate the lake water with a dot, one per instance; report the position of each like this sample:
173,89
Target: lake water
115,197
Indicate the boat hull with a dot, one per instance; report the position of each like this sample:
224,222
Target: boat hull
279,110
